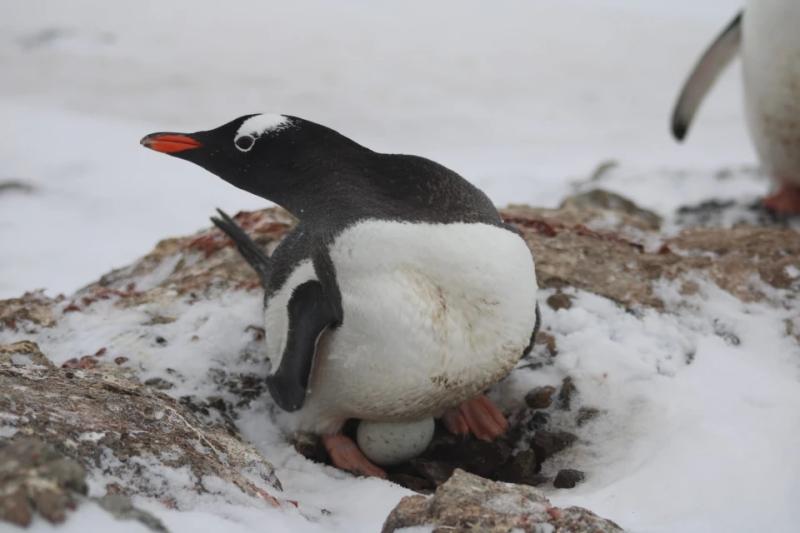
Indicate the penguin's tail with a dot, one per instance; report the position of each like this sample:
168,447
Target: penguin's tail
254,255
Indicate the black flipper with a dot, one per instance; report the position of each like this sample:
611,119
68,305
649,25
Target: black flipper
309,316
705,73
249,249
536,326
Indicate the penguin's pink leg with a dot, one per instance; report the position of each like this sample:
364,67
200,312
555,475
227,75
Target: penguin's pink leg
478,416
785,201
346,455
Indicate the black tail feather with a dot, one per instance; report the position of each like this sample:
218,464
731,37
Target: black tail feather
254,255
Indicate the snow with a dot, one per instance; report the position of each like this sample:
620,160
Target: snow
700,424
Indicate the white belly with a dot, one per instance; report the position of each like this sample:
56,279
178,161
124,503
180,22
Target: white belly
771,67
433,314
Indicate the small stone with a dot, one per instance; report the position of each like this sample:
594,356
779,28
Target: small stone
121,508
586,414
540,397
479,457
436,471
522,468
159,383
87,361
539,420
568,478
161,341
548,443
120,360
310,446
568,390
417,484
559,301
470,503
549,341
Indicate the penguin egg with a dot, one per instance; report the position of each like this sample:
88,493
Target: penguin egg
390,443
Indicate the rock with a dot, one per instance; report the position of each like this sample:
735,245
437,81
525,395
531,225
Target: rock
159,383
567,478
471,503
538,420
609,201
122,508
548,443
549,341
611,262
8,186
101,419
415,483
32,308
585,414
540,397
559,300
310,446
436,471
568,390
35,477
595,242
524,467
479,457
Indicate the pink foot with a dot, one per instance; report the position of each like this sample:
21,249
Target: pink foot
478,416
346,455
785,201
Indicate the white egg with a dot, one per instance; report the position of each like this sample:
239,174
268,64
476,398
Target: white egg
390,443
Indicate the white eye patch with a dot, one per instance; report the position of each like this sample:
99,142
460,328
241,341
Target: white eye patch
256,126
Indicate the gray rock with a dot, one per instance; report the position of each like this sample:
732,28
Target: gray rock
101,418
122,508
568,478
35,477
540,397
471,503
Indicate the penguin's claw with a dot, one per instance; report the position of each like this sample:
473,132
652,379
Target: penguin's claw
346,455
478,416
785,201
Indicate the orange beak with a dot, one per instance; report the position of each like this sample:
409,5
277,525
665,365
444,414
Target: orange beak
170,143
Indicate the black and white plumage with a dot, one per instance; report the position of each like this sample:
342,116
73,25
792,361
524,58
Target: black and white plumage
400,294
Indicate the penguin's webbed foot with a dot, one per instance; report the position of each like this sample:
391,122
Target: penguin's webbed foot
478,416
785,201
346,455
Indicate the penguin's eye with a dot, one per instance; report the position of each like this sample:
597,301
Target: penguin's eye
244,143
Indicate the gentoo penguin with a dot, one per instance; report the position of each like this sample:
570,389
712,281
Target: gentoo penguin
400,294
768,33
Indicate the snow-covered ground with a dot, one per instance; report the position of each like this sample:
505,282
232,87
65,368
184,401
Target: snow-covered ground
522,98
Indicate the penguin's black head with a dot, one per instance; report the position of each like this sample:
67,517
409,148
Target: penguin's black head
277,157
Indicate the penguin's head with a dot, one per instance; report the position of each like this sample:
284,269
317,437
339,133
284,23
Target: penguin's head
277,157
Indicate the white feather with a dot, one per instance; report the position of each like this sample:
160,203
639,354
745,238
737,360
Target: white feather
259,125
433,315
771,68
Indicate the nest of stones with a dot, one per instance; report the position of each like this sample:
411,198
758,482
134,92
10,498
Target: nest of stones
517,457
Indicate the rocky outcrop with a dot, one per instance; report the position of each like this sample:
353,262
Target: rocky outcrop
470,503
92,409
620,255
67,421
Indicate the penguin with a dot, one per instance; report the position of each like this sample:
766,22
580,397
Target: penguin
767,33
400,294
